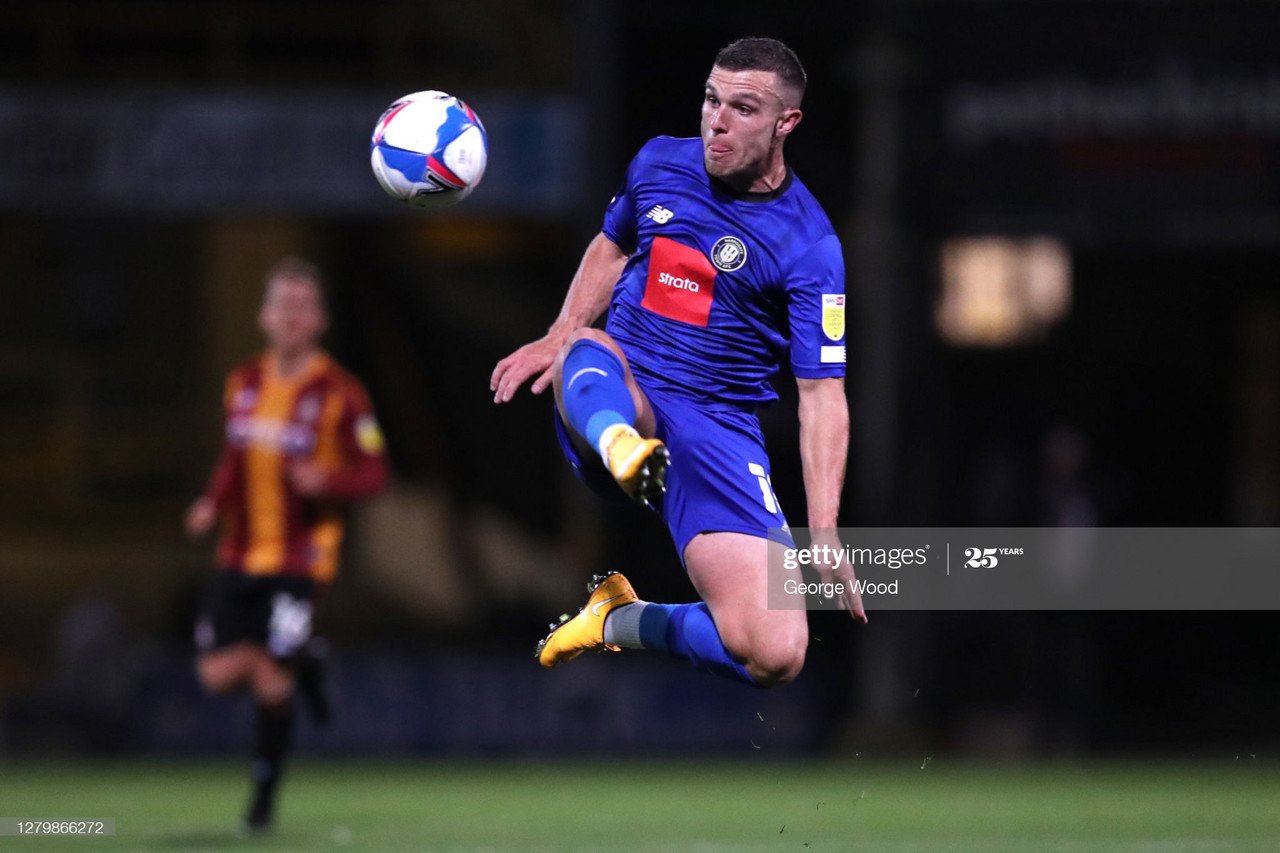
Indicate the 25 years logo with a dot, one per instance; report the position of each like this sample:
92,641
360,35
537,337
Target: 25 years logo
988,558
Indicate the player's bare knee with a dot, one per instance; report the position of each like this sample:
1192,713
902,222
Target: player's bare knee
598,336
778,659
272,683
220,674
776,665
770,659
589,333
215,680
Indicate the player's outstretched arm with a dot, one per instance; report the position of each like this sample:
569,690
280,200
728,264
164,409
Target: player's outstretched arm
824,446
202,515
824,452
586,300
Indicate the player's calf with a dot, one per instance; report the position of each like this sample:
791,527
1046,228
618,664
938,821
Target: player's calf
597,396
272,740
606,383
310,681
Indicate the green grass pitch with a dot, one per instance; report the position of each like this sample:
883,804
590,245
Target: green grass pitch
599,805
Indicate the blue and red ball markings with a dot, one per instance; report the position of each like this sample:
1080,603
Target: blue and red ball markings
418,166
380,129
436,170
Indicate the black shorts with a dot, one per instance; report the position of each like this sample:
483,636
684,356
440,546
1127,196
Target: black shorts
270,611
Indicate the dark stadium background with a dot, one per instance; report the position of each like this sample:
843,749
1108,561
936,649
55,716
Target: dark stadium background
130,283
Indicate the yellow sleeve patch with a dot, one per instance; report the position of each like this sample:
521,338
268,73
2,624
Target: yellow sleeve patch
833,315
369,435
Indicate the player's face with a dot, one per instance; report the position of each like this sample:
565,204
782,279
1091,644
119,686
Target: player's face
293,316
744,123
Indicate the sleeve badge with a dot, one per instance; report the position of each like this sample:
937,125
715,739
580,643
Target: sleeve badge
833,315
369,435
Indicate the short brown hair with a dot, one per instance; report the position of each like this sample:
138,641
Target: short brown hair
299,269
765,54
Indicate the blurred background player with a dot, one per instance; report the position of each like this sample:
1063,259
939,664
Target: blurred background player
301,440
714,260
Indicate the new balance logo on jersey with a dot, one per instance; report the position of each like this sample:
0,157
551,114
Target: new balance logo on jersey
660,214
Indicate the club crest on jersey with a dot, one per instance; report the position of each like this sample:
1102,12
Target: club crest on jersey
833,315
728,254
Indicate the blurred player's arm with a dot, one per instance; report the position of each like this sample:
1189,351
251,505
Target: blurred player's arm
202,515
203,512
587,299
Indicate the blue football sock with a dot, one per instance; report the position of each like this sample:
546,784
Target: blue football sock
687,631
595,391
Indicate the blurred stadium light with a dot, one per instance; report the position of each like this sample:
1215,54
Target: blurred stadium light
1001,291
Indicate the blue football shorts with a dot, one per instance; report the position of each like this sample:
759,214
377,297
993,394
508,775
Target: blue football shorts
719,479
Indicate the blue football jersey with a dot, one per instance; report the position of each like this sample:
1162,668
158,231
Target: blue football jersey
721,286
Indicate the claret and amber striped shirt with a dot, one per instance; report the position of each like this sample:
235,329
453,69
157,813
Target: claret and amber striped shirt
322,414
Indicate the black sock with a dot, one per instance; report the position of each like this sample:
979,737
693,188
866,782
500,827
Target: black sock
309,672
274,736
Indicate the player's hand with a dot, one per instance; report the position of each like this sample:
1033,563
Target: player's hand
307,478
534,359
850,598
200,517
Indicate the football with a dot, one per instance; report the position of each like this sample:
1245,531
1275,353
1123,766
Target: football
429,150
